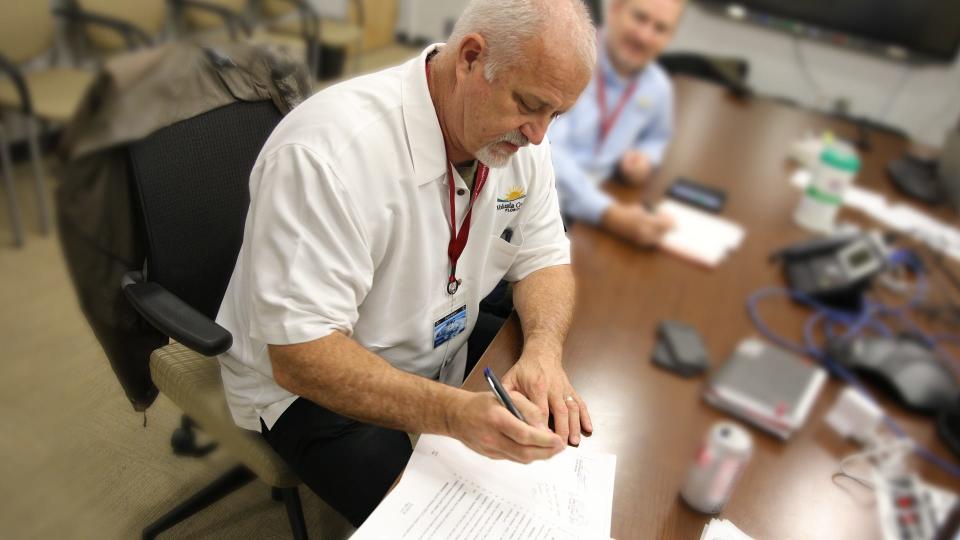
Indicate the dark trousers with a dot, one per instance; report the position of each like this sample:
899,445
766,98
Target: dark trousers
350,464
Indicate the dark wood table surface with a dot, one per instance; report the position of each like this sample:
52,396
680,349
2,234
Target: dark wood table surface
654,421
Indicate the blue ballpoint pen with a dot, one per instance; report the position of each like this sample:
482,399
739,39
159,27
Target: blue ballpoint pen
501,394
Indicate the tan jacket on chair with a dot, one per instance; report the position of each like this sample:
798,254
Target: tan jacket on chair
132,97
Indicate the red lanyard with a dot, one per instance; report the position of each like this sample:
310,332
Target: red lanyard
458,239
608,120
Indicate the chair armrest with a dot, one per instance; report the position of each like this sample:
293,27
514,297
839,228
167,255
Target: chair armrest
231,19
172,316
130,32
8,67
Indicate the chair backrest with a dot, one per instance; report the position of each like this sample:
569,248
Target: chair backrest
192,182
277,8
375,19
26,29
343,10
201,19
147,15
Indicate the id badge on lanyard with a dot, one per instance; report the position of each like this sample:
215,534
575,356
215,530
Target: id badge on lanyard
450,320
450,317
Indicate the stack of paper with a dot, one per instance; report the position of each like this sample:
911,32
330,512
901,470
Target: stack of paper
722,529
450,492
698,236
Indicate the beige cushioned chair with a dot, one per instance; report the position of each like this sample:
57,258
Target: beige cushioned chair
192,382
53,93
26,33
147,18
286,17
50,93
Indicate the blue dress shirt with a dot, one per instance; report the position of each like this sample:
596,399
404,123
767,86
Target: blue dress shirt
644,124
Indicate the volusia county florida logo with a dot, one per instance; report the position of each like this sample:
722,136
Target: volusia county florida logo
512,200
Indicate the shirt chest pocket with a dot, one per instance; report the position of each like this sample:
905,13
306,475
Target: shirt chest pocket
502,252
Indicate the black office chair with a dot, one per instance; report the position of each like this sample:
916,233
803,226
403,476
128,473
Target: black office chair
191,182
729,72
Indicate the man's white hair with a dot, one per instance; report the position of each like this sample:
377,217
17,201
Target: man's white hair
507,24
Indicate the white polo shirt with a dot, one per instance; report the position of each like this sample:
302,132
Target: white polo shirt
348,229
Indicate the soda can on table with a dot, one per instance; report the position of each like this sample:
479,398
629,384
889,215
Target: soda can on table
722,457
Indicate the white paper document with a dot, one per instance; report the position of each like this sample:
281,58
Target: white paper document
450,492
699,236
722,529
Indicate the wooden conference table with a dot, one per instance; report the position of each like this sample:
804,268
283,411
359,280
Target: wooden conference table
653,420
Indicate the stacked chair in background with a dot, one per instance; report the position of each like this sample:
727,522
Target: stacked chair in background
51,93
345,32
218,20
41,88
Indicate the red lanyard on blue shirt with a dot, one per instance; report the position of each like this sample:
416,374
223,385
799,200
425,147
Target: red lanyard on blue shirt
458,239
608,120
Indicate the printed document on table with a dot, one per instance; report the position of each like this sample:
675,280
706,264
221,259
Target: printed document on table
701,237
448,491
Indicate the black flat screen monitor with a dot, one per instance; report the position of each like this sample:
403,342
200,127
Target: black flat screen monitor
929,28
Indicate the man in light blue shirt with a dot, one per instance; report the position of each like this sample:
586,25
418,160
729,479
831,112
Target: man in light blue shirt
622,123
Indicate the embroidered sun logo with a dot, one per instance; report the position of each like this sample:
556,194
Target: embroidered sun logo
516,192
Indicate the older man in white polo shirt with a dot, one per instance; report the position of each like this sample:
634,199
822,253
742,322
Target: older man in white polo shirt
382,210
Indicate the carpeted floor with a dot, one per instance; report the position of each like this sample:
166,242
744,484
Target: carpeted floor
75,460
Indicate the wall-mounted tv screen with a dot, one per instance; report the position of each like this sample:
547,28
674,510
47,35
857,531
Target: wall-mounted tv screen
926,28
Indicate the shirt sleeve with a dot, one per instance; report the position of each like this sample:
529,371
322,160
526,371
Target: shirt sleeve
580,197
309,262
653,141
545,243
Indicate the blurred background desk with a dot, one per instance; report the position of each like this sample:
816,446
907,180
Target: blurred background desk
653,420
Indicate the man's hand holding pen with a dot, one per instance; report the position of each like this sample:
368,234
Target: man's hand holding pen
484,424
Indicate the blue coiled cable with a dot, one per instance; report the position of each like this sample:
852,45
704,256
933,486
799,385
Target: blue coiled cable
854,324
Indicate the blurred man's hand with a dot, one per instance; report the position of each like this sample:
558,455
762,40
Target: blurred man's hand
636,224
635,167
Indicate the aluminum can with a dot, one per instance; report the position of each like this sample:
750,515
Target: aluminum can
719,462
